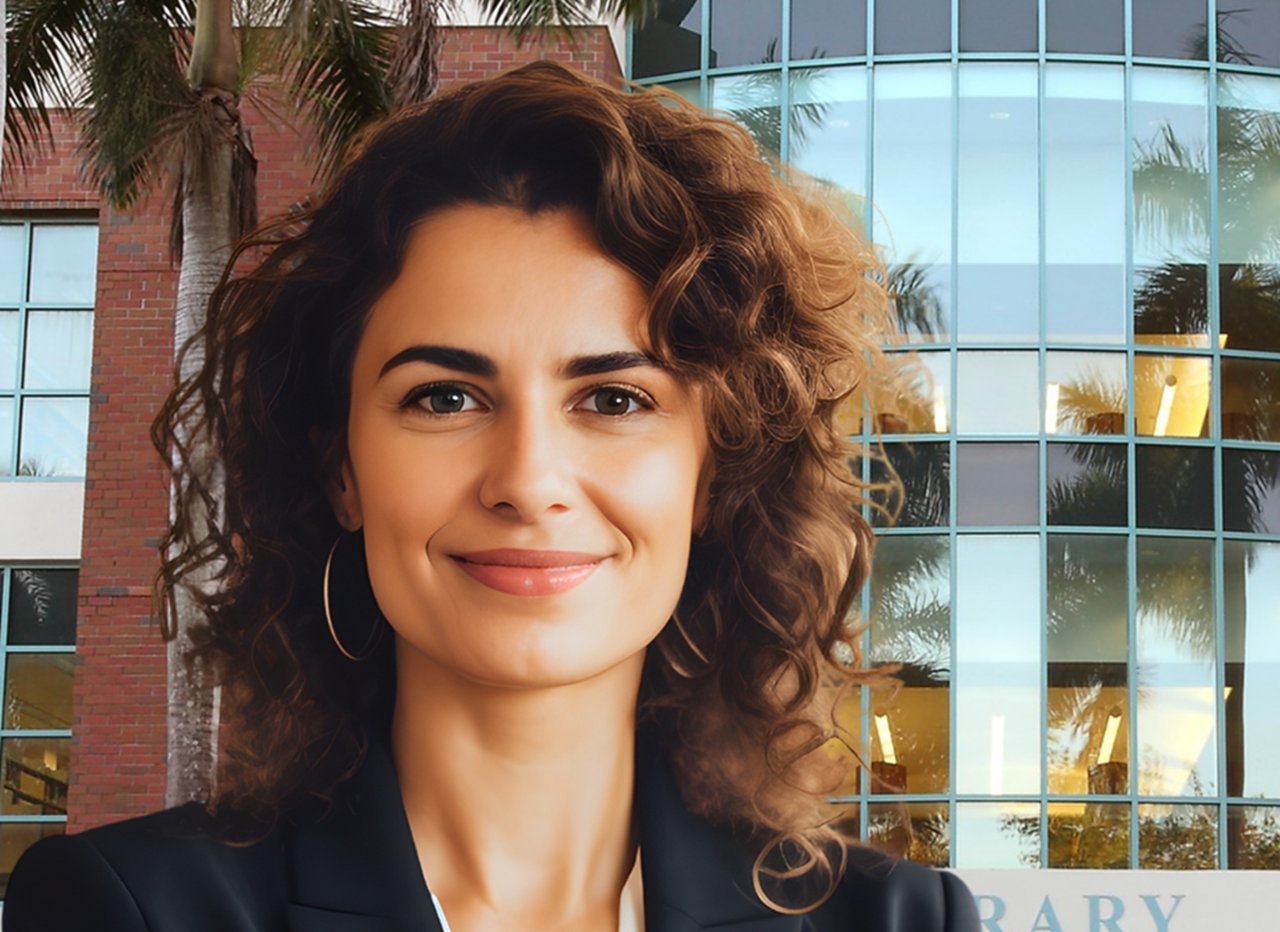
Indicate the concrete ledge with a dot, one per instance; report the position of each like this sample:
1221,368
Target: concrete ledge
41,520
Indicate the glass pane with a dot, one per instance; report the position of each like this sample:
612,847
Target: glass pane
917,400
829,133
745,32
54,436
1084,203
16,838
1247,33
911,26
690,90
998,667
1172,396
998,26
37,691
1251,399
6,436
1177,838
924,470
1089,835
754,100
1090,26
911,626
1171,207
8,349
59,349
1087,484
1253,838
997,393
1170,29
923,836
1176,661
912,188
997,835
1251,491
1085,393
999,236
12,263
1088,644
1249,298
64,263
1174,487
670,42
997,484
1248,226
828,28
42,606
1251,598
35,776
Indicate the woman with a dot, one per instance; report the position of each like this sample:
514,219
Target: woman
538,542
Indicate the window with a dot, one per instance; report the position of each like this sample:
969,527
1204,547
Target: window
37,643
47,278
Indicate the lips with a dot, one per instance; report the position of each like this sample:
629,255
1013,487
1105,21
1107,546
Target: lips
529,572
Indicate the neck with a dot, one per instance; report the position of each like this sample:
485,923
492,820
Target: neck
519,800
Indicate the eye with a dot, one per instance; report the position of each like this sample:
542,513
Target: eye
442,399
616,401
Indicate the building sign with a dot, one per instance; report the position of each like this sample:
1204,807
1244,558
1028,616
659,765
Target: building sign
1125,901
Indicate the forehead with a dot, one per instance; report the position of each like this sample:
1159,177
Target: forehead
498,275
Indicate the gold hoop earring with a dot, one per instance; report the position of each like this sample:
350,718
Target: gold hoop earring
375,636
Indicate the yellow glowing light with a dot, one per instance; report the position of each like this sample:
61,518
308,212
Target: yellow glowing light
1109,737
1222,341
1166,405
939,410
886,739
1051,393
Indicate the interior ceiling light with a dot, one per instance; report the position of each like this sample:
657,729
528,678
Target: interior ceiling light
1051,393
1109,737
1166,405
887,750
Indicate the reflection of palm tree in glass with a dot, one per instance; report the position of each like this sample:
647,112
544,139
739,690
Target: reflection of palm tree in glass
754,101
1169,187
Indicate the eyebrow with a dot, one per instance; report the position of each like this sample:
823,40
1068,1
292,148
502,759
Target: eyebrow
460,360
447,357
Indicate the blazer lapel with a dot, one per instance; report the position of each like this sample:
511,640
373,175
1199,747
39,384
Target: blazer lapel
357,869
696,876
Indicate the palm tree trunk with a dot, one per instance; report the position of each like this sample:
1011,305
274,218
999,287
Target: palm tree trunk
208,223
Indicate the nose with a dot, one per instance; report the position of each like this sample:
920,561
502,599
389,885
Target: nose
530,465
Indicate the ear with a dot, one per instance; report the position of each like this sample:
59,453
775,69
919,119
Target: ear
344,497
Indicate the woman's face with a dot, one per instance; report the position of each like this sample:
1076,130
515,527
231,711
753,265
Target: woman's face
527,477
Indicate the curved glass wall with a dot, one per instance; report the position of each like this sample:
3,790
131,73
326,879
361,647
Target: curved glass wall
1079,207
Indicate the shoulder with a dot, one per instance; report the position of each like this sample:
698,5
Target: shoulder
153,872
882,894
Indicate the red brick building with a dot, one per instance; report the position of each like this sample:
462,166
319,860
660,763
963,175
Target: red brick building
86,346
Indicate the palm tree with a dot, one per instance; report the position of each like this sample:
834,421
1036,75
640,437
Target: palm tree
161,84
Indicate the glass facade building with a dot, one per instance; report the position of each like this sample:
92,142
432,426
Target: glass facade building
48,271
1079,207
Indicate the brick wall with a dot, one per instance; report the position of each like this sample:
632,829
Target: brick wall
118,749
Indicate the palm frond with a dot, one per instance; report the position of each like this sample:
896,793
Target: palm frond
526,18
135,85
340,52
43,37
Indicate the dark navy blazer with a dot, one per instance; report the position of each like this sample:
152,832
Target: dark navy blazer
356,870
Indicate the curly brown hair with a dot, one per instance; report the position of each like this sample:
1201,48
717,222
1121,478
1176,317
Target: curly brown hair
761,293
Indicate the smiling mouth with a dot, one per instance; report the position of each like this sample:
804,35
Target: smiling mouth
529,572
